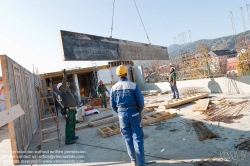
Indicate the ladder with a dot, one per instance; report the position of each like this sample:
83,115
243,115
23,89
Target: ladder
49,124
233,83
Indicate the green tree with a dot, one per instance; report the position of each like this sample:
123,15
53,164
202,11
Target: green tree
243,65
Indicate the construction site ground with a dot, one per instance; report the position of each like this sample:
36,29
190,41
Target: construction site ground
169,142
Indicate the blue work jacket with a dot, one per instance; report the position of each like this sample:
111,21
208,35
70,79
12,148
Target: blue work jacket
126,94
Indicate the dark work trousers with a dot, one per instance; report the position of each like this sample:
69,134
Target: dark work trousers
70,126
131,130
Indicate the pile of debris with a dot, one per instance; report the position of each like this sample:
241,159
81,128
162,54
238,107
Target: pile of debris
203,132
245,145
225,110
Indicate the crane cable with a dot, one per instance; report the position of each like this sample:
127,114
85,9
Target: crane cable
112,18
138,14
142,22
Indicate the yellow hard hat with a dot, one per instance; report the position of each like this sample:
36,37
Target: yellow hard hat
48,88
121,70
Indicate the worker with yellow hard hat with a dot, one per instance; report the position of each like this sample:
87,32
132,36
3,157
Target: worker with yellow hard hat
127,101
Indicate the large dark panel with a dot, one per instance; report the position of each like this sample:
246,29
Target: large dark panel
78,46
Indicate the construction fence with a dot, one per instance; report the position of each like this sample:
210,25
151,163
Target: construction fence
19,88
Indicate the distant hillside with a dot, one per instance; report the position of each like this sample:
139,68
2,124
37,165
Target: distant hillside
227,42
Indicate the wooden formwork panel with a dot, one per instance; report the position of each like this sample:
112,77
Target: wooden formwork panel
20,89
114,129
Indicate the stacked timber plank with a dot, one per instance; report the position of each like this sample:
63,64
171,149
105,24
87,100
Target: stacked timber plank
114,129
177,102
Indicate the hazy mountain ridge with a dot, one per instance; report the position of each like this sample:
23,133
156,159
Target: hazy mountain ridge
227,42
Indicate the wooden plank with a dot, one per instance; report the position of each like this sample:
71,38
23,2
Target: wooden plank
10,114
177,102
147,110
104,117
201,105
82,127
103,121
188,100
150,92
217,98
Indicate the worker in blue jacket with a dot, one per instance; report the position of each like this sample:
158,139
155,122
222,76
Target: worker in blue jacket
126,100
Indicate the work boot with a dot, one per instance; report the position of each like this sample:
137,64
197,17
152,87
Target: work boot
133,163
76,137
71,142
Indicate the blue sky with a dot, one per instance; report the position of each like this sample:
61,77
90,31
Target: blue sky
29,29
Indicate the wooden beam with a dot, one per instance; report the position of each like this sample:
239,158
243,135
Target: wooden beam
82,127
177,102
104,121
104,117
74,71
10,114
7,94
201,105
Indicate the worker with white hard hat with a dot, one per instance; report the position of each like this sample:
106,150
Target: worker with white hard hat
69,102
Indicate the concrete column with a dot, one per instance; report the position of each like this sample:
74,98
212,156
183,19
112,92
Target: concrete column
77,86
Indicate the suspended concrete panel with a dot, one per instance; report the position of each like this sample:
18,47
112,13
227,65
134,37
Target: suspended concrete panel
78,46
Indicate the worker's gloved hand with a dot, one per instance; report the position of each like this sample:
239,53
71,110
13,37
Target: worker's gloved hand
64,72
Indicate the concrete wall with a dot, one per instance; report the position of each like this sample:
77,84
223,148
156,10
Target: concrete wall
108,75
215,85
79,46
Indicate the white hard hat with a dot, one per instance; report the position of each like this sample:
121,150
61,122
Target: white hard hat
59,85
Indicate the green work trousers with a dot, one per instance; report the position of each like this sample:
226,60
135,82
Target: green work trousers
70,126
103,100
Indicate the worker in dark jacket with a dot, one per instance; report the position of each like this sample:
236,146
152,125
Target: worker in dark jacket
69,102
101,91
126,100
172,82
